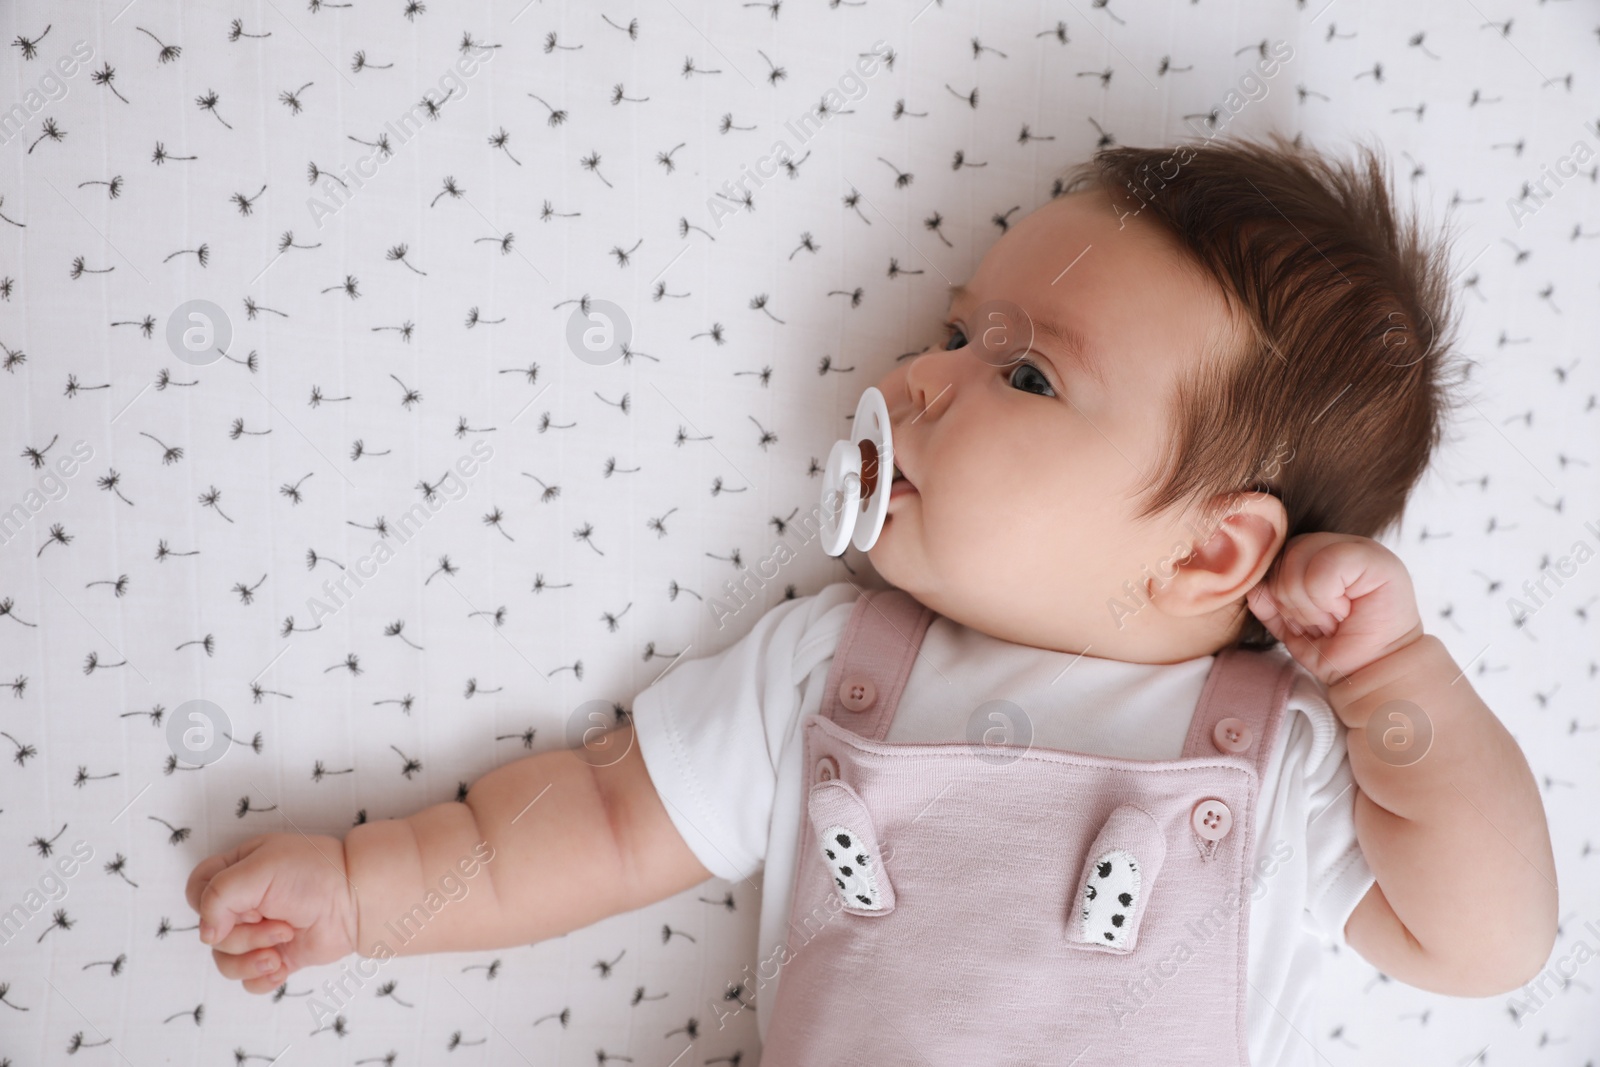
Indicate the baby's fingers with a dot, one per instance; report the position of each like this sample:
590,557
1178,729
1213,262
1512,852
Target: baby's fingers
263,963
247,936
232,895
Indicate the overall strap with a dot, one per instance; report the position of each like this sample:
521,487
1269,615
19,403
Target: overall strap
873,661
1241,707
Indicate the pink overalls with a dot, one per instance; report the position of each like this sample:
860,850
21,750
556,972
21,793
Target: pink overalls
957,905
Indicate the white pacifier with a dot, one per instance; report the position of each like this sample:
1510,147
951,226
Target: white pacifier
855,495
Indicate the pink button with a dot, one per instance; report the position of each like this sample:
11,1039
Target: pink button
827,769
1211,819
857,693
1232,735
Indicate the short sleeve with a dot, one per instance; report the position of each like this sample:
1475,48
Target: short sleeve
1337,872
711,731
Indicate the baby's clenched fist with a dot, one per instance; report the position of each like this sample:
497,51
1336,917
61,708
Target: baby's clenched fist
274,904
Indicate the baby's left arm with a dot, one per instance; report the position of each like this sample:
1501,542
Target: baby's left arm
1447,811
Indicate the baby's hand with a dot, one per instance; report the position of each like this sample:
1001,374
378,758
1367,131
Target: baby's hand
275,904
1338,603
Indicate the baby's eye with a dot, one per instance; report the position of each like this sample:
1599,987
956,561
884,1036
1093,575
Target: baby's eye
1032,375
955,332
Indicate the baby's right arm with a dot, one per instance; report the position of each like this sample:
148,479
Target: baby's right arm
573,842
556,841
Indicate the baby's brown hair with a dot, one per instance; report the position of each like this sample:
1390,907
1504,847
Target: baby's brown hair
1342,393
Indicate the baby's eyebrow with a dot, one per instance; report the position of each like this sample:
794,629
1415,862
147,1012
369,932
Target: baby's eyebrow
1071,339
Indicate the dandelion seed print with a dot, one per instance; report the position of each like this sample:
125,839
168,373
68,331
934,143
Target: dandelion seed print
208,102
29,46
291,98
168,53
48,131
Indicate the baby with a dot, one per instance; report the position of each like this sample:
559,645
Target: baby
1169,411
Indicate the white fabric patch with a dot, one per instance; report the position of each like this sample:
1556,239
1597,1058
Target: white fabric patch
1111,898
852,866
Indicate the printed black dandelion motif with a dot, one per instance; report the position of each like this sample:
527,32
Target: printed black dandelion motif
8,610
83,776
395,629
202,253
208,102
169,455
398,254
503,242
208,644
445,567
236,31
382,144
317,399
622,255
78,269
550,492
246,204
58,922
109,482
473,319
432,106
105,76
592,162
412,396
493,519
161,155
209,499
349,286
162,552
450,189
291,99
92,664
119,585
147,325
50,130
35,456
176,835
164,379
557,115
359,62
404,330
21,757
351,663
410,766
759,303
550,45
116,867
247,593
113,187
168,52
292,489
413,9
665,158
498,140
30,47
58,535
238,430
313,559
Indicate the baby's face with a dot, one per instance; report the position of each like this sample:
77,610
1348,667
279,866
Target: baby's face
1026,460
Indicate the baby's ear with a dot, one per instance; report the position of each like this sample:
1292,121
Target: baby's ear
1231,553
